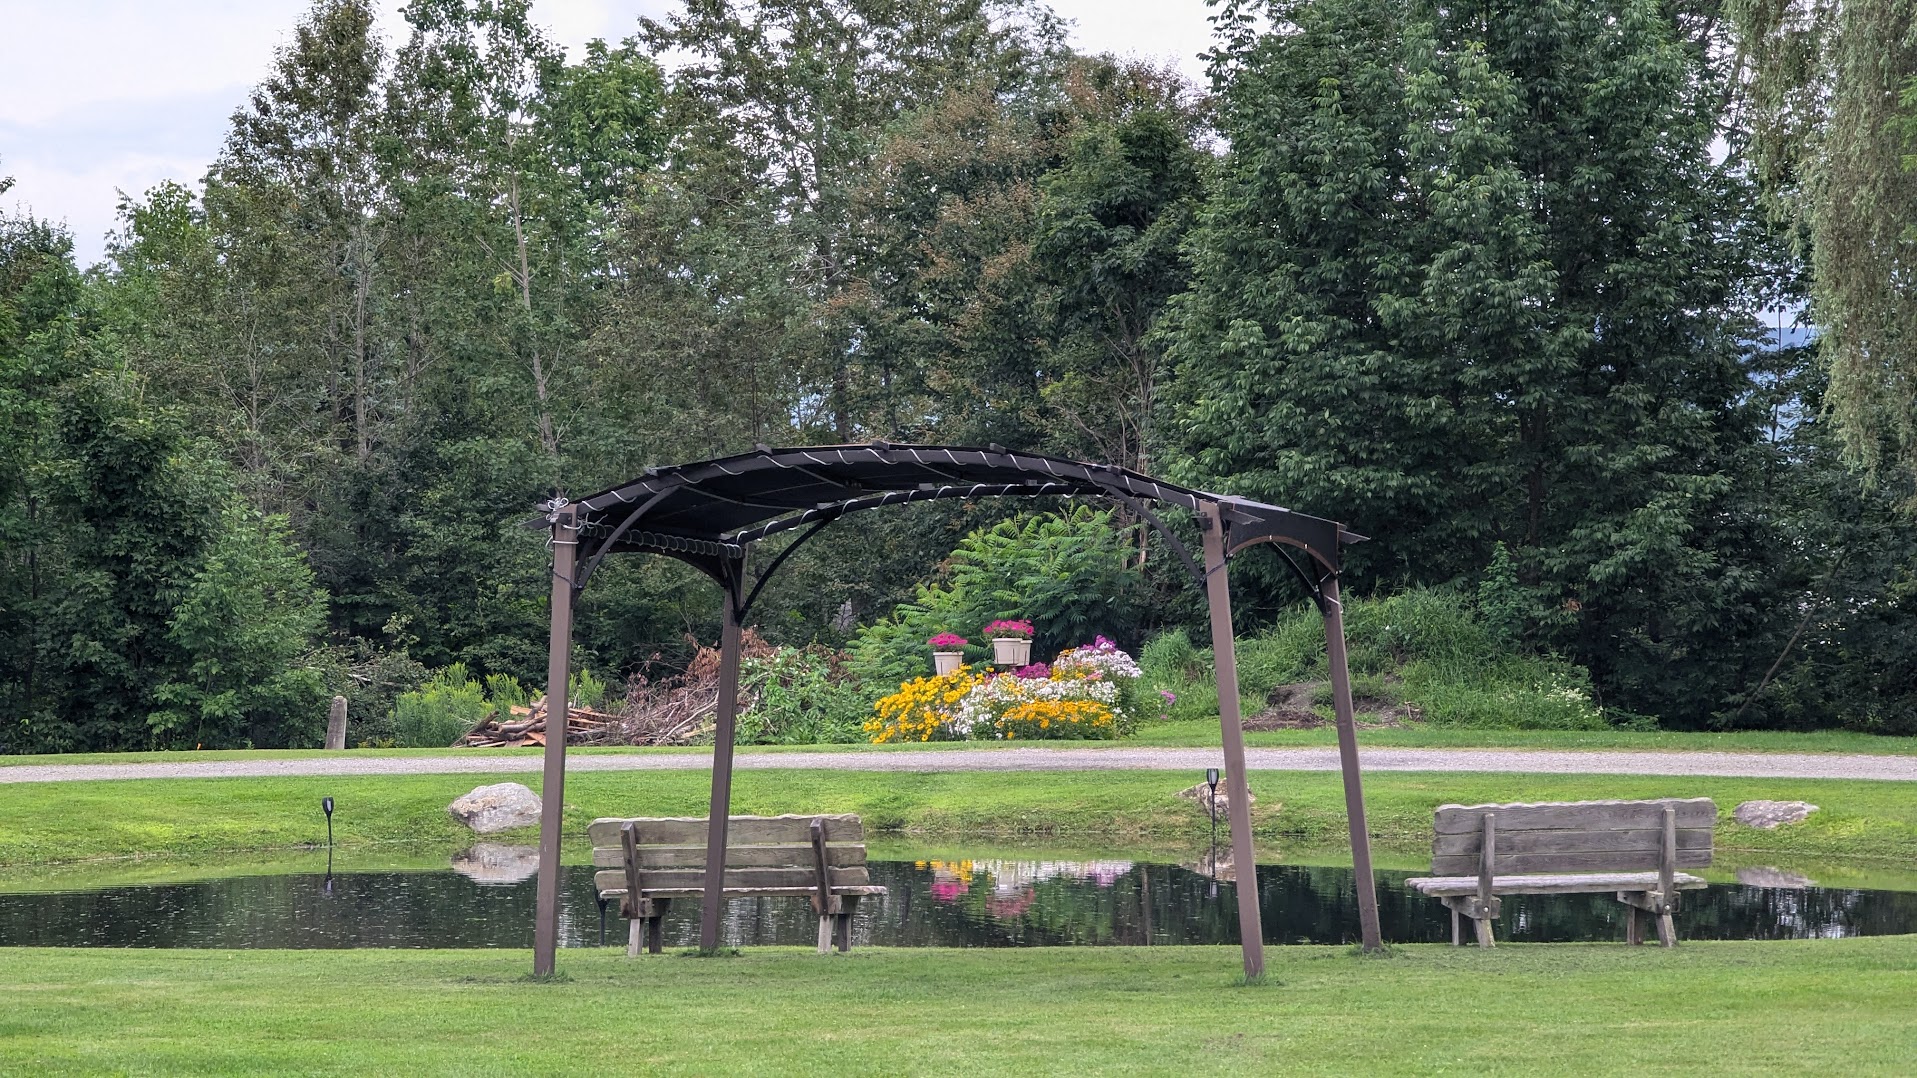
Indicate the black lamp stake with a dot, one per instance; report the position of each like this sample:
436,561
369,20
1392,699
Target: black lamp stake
1211,806
326,806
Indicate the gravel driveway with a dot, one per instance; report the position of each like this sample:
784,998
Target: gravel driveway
1730,764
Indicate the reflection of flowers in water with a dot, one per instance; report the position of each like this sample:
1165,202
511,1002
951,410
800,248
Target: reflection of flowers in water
950,879
1011,876
1014,882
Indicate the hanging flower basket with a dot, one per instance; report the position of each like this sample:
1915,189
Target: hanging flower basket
1011,642
947,652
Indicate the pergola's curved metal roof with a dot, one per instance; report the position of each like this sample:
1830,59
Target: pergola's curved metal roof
710,511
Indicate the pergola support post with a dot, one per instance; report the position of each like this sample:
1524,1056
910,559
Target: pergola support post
1225,661
1348,762
713,904
552,793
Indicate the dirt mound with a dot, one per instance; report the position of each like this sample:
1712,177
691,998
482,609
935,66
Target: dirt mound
1294,707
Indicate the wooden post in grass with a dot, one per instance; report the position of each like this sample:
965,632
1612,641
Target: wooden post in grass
336,724
1225,661
552,792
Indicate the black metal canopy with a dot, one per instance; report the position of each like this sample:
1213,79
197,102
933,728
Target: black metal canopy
709,512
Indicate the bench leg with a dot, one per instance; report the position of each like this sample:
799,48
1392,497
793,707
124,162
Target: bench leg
1666,931
825,933
1457,928
1483,926
1633,927
635,931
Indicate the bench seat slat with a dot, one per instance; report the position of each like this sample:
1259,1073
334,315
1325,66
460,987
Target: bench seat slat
1595,861
1556,841
694,879
1576,816
744,892
763,856
1453,886
742,830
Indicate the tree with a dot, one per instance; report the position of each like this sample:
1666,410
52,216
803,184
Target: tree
1461,283
245,627
1833,91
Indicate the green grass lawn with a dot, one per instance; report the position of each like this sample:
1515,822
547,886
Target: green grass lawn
1839,1006
1161,734
45,822
1418,735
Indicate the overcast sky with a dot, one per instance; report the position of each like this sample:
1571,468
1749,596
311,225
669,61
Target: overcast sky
102,96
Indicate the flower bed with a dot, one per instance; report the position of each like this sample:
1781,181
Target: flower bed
1085,694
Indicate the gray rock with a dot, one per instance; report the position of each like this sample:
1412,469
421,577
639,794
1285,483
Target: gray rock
500,807
1773,877
1201,793
490,862
1769,815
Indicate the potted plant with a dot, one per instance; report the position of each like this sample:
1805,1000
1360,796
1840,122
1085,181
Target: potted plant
1011,641
947,652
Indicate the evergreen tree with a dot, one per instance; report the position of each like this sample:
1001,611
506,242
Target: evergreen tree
1460,284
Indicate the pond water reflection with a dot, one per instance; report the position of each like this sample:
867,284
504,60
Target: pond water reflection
958,903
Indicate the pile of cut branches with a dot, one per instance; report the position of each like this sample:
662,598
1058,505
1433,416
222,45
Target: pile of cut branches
680,708
527,726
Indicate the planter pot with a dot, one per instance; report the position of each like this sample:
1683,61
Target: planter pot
1012,650
947,661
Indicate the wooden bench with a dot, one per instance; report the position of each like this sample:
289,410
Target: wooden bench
646,863
1633,848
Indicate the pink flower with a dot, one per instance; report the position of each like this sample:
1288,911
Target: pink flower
947,640
1010,627
947,890
1039,671
1170,696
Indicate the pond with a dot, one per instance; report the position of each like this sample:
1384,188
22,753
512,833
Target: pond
931,903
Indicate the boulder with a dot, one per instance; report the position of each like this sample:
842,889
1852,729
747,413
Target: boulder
499,807
1770,815
491,862
1201,793
1764,876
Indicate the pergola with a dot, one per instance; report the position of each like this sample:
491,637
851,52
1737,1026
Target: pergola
711,513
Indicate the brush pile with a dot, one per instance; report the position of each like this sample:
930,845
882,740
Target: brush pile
676,709
681,708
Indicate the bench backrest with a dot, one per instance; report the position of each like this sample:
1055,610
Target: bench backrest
1572,836
761,852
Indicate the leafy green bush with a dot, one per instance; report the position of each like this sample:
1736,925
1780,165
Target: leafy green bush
802,696
440,711
1445,660
505,691
584,690
1172,663
1067,573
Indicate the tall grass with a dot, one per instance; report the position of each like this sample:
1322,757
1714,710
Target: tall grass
1427,647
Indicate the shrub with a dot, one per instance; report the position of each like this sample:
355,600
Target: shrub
440,711
801,696
1447,662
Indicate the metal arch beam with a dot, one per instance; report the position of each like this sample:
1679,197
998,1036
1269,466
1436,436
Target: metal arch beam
753,596
1171,539
834,510
606,545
